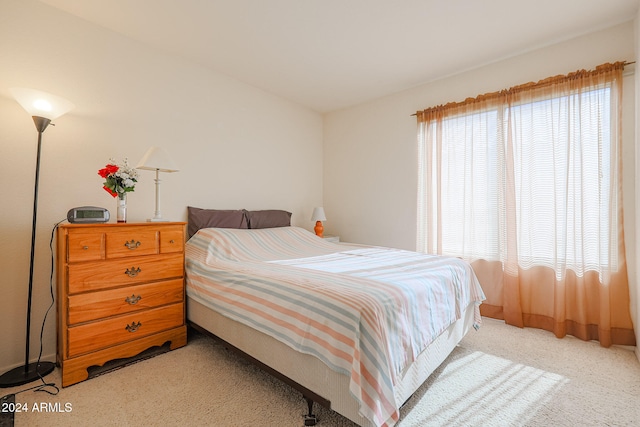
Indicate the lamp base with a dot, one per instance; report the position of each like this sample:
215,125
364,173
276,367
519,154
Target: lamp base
157,220
20,375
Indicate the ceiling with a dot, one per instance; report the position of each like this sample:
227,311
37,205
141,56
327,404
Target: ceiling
332,54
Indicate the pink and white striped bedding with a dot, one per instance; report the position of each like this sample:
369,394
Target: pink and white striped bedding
367,312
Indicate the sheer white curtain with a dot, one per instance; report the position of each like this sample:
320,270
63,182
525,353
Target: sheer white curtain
459,168
525,185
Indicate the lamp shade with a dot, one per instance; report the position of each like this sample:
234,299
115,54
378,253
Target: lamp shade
318,215
157,159
41,104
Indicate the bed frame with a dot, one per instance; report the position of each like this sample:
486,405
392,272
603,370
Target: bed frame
309,375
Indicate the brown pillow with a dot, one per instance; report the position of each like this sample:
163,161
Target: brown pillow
268,219
205,218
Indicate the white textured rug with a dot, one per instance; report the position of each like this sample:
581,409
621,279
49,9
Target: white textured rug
498,376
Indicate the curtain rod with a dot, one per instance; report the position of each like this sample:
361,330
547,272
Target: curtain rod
624,64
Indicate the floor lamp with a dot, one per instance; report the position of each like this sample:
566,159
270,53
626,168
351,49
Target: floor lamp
43,107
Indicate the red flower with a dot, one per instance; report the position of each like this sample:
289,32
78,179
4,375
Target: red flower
108,170
118,179
110,191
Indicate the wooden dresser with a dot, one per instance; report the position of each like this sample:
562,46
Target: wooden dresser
120,292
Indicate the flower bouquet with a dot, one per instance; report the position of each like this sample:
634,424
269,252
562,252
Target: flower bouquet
119,179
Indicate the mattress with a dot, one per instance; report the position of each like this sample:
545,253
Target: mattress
311,373
366,313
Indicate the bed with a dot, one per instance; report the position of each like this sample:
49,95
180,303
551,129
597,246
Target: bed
355,328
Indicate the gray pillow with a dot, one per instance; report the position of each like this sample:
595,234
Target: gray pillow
206,218
268,219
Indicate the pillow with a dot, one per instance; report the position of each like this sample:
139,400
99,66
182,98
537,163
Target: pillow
206,218
268,219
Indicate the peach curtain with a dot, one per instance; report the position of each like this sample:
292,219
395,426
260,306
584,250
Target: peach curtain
553,259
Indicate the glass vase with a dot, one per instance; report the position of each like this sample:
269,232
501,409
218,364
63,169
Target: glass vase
121,214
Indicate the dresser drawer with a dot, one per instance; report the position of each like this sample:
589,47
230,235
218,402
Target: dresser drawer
96,275
85,246
105,333
172,240
131,242
96,305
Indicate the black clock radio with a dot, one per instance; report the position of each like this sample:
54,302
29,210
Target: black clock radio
87,215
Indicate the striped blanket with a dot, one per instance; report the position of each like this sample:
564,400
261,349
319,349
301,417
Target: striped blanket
367,312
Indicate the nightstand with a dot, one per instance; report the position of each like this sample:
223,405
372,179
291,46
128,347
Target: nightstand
332,239
120,292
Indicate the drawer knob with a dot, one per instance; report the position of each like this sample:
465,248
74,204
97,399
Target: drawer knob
172,241
133,299
133,272
133,244
85,248
133,327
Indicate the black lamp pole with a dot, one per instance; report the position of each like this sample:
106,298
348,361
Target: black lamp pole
30,371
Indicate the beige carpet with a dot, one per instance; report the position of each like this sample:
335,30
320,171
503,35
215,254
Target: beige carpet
498,376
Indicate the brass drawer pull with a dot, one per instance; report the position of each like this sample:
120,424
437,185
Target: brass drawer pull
85,247
133,327
172,241
133,244
133,299
133,272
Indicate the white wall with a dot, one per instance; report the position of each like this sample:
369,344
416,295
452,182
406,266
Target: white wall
236,146
370,162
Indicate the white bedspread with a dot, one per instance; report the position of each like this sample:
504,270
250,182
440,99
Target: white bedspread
367,312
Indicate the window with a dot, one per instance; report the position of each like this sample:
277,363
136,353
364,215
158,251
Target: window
525,176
